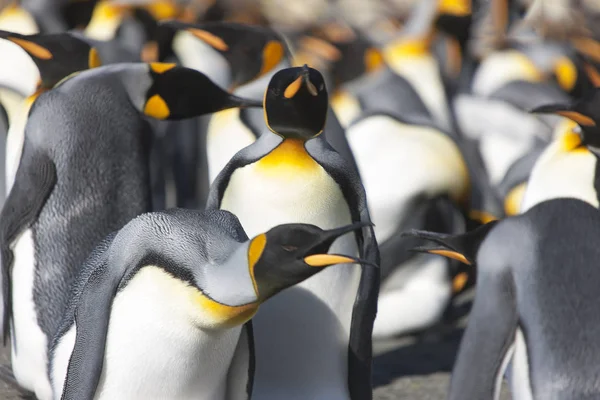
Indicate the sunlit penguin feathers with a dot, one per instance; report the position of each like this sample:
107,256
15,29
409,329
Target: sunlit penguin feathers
296,103
250,51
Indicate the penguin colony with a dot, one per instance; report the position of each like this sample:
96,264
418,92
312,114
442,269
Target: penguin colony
232,200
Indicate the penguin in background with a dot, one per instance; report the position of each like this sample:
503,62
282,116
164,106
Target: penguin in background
292,174
182,259
56,16
409,55
523,310
568,166
86,140
55,57
501,126
234,51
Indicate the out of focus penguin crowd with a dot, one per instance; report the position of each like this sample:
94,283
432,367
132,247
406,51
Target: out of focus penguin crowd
232,199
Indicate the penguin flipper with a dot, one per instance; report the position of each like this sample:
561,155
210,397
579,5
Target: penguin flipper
490,332
89,309
240,377
35,179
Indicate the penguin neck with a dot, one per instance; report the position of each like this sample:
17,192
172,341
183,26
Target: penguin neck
290,153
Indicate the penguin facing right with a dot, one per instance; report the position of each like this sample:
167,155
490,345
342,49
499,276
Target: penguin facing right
159,306
535,304
86,141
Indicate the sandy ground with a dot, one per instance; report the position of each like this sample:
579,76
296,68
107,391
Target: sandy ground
412,367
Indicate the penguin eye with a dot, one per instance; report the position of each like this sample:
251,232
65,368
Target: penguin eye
289,248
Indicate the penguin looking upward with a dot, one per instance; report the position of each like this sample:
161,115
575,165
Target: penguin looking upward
322,346
55,57
535,303
569,166
182,283
86,141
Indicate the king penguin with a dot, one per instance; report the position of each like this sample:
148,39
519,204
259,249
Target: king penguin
159,306
246,57
569,166
321,347
86,141
55,57
535,303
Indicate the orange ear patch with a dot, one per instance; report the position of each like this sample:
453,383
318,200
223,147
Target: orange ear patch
451,254
209,39
459,282
156,107
160,68
33,48
577,117
94,59
292,88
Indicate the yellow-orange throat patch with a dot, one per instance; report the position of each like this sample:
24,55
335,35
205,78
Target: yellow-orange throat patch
224,315
289,154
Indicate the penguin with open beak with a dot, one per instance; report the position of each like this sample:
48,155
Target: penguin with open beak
322,346
159,307
535,303
83,173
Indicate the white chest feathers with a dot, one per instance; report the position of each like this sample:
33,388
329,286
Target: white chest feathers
563,170
226,136
155,348
399,162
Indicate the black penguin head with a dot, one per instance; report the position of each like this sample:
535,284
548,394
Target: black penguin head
250,51
585,113
77,13
290,253
158,44
178,92
296,102
56,55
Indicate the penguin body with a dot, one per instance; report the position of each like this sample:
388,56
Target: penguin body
523,310
85,142
568,167
161,282
294,175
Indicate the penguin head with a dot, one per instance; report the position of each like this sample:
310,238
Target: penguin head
178,92
250,51
288,254
586,114
295,103
55,55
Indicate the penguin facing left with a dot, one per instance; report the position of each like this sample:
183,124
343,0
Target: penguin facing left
569,166
291,174
535,303
86,141
159,306
55,57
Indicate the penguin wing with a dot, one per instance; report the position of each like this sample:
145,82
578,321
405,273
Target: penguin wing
336,137
360,351
489,335
89,308
240,377
34,181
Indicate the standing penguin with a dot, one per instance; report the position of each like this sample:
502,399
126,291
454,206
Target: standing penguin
535,304
569,166
86,141
55,56
321,346
158,308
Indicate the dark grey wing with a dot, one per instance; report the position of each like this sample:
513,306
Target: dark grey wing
240,377
248,155
360,352
336,136
490,330
90,309
34,181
